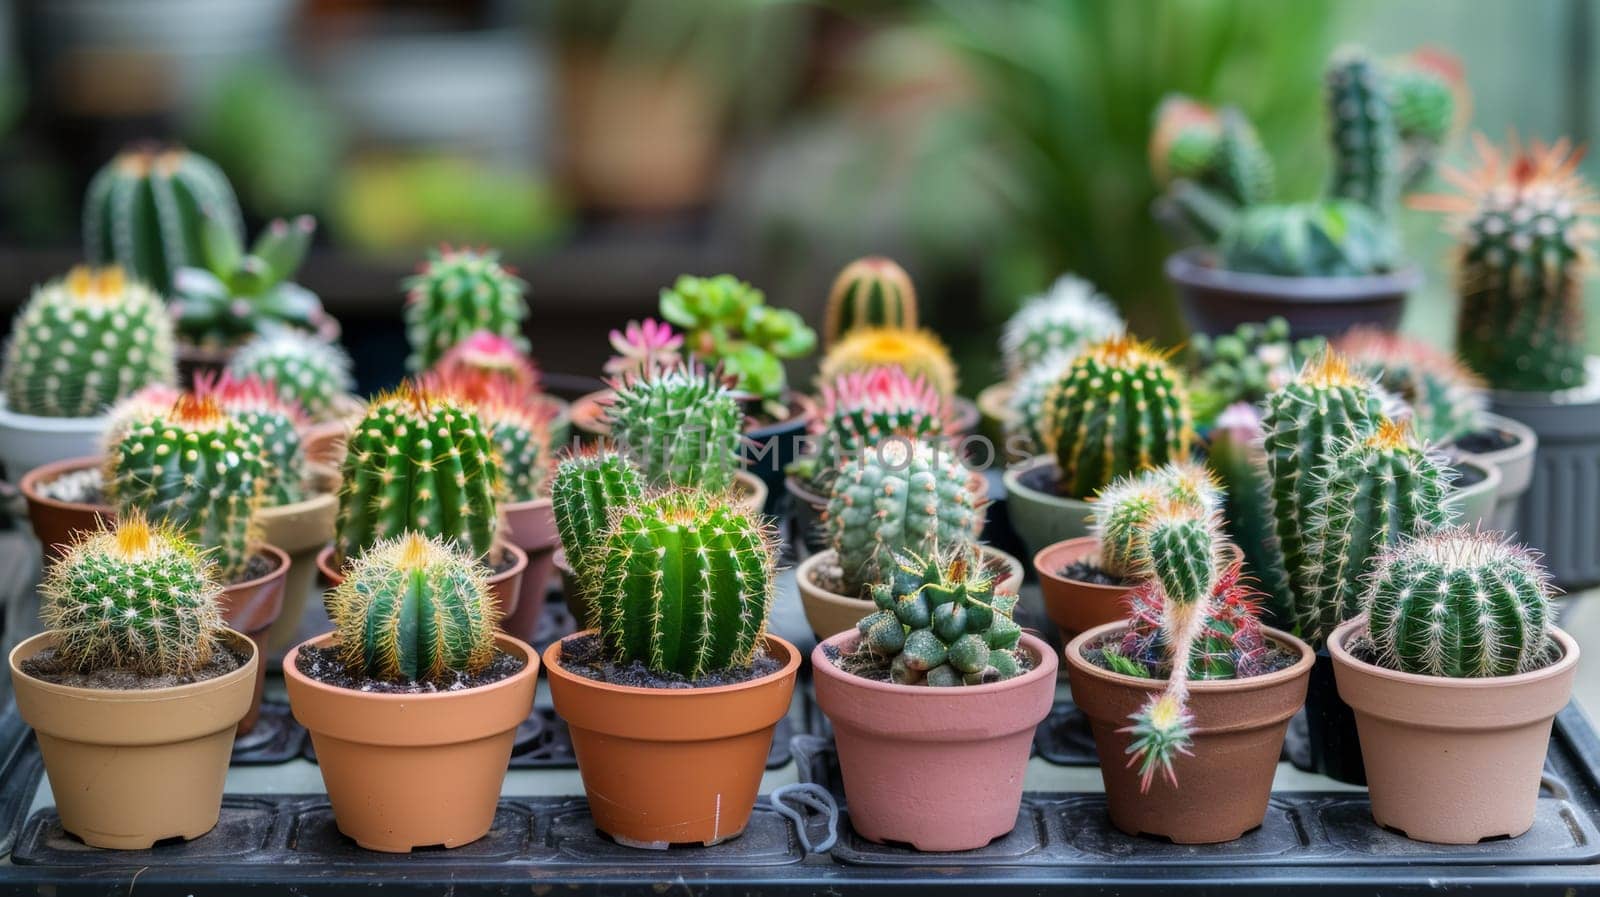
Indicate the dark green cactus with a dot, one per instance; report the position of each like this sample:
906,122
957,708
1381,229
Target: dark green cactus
258,407
941,623
458,293
682,426
1218,151
1067,317
1234,452
519,430
1124,509
587,489
1445,399
682,583
1361,131
304,371
869,292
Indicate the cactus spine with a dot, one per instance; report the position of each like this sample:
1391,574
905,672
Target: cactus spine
85,341
586,491
414,609
681,426
942,624
458,293
917,352
1229,644
1070,315
1124,509
869,292
682,584
1362,133
304,371
1444,397
863,408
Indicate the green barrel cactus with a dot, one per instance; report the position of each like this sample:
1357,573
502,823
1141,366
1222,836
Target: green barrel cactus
1119,407
682,583
682,426
1366,146
258,407
1461,604
899,498
312,374
85,341
145,210
586,491
141,598
197,468
864,408
942,624
414,609
1067,317
458,293
869,292
1445,398
1123,511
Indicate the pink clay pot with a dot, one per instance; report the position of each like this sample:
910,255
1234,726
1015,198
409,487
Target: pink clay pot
531,526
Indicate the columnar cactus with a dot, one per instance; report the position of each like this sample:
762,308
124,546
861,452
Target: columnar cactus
414,609
942,624
519,431
586,490
899,497
1123,511
869,292
85,341
144,210
198,468
1444,397
1461,604
1119,407
1366,165
681,426
863,408
917,352
307,372
682,583
1219,151
140,597
1070,315
457,293
423,463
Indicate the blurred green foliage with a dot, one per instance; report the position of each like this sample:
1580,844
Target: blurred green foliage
404,203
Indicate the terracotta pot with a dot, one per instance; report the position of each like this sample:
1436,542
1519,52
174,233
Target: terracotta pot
749,492
406,771
506,585
1074,605
830,613
937,768
132,767
28,441
572,592
589,415
1225,782
531,526
251,607
1452,761
1040,516
324,443
994,410
56,522
300,529
666,766
1515,463
1475,504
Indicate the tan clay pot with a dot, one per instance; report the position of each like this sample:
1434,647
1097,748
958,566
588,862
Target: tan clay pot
56,522
407,771
1073,605
1224,786
131,767
531,526
668,766
1452,761
505,585
960,753
251,607
572,590
830,613
300,529
748,491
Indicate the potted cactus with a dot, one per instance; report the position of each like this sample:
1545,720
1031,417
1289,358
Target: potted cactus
1243,366
311,374
413,701
1191,688
869,292
672,701
136,688
79,344
586,489
640,347
919,353
1455,672
936,693
456,293
486,363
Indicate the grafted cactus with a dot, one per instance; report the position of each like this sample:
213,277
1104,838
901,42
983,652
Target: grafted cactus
1124,509
681,426
869,292
414,609
682,583
198,468
1444,397
917,352
899,497
278,423
864,408
1067,317
458,293
1428,93
587,489
305,371
1461,604
1366,151
1119,407
942,624
138,597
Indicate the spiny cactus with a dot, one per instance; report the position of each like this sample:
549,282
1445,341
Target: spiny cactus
586,491
728,324
144,209
198,468
414,609
864,408
1428,94
419,462
1366,164
139,597
307,372
1461,604
83,342
485,363
1229,644
895,498
643,346
869,292
917,352
458,293
1119,407
1324,238
278,423
942,624
681,426
519,431
1123,511
1025,430
682,583
237,294
1444,397
1070,315
1219,151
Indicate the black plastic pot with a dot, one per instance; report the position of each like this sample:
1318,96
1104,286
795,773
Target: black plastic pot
1335,749
770,449
1215,300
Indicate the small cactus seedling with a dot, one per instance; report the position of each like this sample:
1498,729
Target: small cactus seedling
305,371
869,292
140,597
643,346
942,624
727,324
458,293
1444,397
1429,97
1461,604
1067,317
681,426
1123,511
258,407
864,408
85,341
682,583
414,609
486,363
586,491
917,352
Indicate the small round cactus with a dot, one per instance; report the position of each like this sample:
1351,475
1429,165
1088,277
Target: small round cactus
942,624
1444,397
869,292
85,341
414,609
458,293
863,408
1461,604
586,490
305,371
1123,511
681,426
682,583
259,408
140,597
1067,317
917,352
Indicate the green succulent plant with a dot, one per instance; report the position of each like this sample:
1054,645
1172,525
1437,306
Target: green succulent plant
680,425
586,491
460,292
727,323
942,624
1124,509
1070,315
238,294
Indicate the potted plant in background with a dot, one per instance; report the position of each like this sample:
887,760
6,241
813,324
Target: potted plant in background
459,292
1455,673
413,700
486,363
311,374
920,353
136,688
640,347
869,292
936,693
587,489
672,701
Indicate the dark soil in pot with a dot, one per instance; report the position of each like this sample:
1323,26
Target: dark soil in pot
47,666
585,655
1090,572
1467,475
323,664
260,565
1483,442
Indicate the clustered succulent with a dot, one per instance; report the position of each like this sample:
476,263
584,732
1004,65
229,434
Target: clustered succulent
869,292
309,373
1245,365
940,622
457,293
681,426
1070,315
917,352
728,324
233,294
